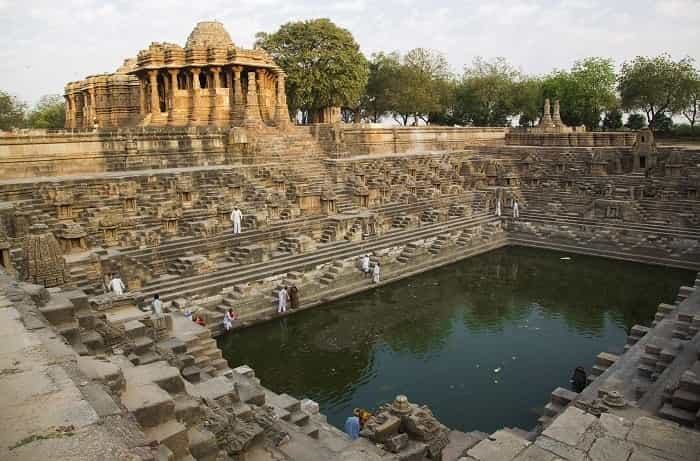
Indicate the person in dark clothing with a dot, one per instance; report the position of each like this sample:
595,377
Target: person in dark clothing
294,297
578,380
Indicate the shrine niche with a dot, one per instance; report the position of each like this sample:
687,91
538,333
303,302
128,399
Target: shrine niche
73,238
109,226
279,184
63,201
362,196
184,192
129,202
328,201
169,220
5,259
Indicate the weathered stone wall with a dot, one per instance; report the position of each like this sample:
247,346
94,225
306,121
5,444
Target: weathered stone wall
66,154
368,140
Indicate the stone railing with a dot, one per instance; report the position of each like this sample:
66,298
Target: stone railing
367,139
519,137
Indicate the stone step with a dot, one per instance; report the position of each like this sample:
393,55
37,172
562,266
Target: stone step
686,400
562,397
192,373
680,416
58,310
187,409
203,446
150,405
134,329
172,434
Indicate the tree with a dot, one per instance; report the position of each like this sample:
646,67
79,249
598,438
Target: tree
49,113
612,120
585,92
664,124
528,100
486,94
654,85
383,72
12,111
689,104
323,62
636,122
421,86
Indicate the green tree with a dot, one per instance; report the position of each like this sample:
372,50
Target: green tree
689,104
636,122
528,100
486,94
12,112
381,84
420,87
612,120
49,113
585,92
654,85
323,62
664,124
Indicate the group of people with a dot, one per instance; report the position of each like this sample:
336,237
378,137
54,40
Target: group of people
516,208
287,295
372,271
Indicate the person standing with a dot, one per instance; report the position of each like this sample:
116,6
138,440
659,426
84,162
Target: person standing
236,218
516,211
365,265
116,285
282,298
375,273
498,207
294,297
157,306
229,317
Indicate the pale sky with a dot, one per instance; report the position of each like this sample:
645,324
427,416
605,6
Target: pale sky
46,43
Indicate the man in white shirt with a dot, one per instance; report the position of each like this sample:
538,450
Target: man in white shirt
236,218
365,264
516,211
116,285
282,298
157,306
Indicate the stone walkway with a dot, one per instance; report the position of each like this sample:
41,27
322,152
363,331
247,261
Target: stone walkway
578,436
47,409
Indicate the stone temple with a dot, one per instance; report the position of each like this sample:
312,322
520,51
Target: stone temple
208,82
142,183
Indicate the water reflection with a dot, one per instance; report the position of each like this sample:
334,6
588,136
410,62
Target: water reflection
439,337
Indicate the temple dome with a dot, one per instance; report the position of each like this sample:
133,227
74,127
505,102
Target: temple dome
209,33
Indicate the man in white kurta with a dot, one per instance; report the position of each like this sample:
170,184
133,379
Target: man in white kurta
516,211
117,286
498,207
236,218
375,273
282,298
365,264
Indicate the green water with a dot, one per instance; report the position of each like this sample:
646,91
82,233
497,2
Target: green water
440,336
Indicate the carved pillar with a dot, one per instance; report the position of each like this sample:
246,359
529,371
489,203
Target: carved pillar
142,96
215,72
252,109
282,112
195,94
153,80
173,88
237,113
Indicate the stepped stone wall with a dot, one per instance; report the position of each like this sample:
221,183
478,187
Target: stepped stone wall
154,206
